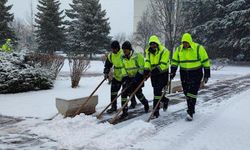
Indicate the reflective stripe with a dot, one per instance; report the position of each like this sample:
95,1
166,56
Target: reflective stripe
188,61
142,98
175,60
133,68
124,99
163,63
190,68
118,67
157,97
198,52
191,95
153,65
114,93
205,60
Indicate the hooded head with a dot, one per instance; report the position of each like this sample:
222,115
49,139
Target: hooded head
154,39
154,43
187,40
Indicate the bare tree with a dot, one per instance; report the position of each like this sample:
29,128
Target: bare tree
120,37
77,65
145,28
166,15
22,31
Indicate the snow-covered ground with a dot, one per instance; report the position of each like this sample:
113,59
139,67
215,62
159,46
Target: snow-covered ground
217,126
42,103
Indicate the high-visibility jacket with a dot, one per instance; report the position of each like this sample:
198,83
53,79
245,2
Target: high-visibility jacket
133,64
159,59
115,60
191,58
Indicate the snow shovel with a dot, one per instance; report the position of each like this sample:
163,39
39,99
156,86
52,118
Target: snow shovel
79,109
130,97
100,115
158,103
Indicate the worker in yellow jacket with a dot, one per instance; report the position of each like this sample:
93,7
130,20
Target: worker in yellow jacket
193,61
114,60
157,66
132,73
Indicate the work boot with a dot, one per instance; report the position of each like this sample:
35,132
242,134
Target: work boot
156,114
189,117
111,110
124,113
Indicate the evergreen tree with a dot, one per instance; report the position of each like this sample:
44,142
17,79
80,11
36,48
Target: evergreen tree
6,18
222,26
88,28
50,35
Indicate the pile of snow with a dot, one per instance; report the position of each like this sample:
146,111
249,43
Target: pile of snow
16,75
84,132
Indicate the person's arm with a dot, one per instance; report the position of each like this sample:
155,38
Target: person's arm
205,62
107,66
175,63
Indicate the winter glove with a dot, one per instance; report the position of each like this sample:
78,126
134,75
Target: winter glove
106,76
172,75
205,80
155,71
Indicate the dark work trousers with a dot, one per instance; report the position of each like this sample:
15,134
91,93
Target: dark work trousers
115,87
191,81
129,91
157,94
159,82
190,90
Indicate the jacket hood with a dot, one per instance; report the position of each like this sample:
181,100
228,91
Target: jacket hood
154,39
187,38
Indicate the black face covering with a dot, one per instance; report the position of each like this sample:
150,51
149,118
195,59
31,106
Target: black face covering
151,50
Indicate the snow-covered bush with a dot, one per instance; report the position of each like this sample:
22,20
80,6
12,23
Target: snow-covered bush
53,63
77,65
17,75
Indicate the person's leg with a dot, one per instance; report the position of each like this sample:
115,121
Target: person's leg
192,93
157,96
142,99
123,101
115,87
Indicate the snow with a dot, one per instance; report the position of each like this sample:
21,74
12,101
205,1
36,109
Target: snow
221,126
42,103
79,132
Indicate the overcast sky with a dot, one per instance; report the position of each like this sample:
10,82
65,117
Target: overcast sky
120,12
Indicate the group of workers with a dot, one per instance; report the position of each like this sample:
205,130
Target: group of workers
131,69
